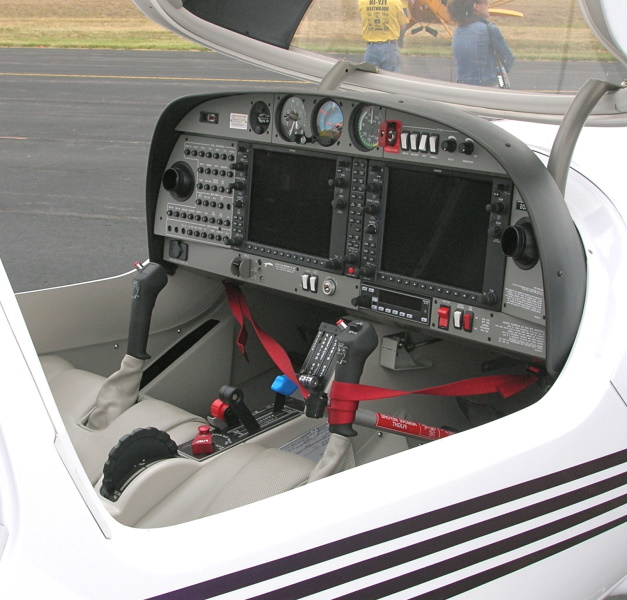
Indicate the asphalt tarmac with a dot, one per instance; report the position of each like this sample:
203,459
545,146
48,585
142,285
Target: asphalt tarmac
75,130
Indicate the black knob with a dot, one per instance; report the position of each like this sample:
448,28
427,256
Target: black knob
237,185
337,182
496,207
371,229
366,271
350,259
333,263
467,147
238,166
371,209
496,232
449,145
488,298
339,204
234,241
239,203
360,301
373,186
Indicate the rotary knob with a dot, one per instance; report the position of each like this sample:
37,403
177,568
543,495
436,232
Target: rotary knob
467,147
339,182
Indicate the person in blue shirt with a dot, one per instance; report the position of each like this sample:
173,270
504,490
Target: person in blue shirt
477,43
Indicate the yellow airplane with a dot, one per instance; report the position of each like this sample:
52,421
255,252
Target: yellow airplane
424,12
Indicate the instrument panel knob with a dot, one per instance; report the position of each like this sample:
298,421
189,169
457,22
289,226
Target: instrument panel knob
467,147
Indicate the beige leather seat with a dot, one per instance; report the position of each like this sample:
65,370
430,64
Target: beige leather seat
75,392
178,490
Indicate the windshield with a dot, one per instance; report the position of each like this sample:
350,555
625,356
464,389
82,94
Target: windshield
523,44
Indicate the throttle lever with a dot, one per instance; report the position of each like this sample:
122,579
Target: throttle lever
234,397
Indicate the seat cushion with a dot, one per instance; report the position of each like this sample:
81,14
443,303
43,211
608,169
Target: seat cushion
75,392
179,490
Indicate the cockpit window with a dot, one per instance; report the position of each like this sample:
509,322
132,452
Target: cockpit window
522,44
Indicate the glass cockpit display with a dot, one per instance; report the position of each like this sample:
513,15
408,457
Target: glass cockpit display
436,227
290,206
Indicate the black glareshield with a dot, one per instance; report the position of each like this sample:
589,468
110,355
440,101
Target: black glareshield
147,284
355,344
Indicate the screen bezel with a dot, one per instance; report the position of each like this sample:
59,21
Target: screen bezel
493,268
302,254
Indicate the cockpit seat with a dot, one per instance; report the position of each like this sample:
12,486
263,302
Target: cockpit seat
177,490
180,490
75,392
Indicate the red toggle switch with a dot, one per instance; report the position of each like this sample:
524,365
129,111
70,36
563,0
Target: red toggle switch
203,442
444,317
467,320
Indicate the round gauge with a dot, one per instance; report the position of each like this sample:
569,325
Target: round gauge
292,119
259,117
328,122
367,124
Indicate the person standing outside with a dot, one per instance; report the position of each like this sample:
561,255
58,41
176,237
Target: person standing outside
382,23
477,44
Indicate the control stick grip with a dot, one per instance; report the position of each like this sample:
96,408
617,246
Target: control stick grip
356,342
147,284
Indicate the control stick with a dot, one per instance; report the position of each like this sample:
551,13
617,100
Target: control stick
121,389
147,284
356,342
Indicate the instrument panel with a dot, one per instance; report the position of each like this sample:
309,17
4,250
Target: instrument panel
363,205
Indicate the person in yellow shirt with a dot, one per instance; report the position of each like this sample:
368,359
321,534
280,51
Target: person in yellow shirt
382,23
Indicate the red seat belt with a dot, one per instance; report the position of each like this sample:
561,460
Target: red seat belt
345,397
240,310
